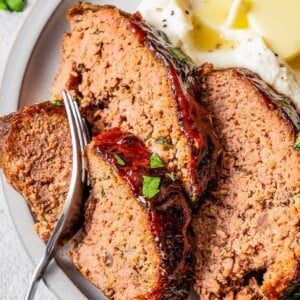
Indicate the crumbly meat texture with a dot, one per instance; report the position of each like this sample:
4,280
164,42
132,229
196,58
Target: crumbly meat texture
247,238
5,125
118,250
123,82
37,160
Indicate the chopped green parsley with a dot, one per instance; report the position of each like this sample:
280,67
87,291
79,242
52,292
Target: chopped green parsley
119,160
161,140
150,186
96,32
165,142
178,53
78,101
156,162
183,292
297,144
12,5
57,102
3,5
173,176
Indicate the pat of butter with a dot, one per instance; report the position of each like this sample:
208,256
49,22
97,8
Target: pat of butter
278,22
237,15
214,11
207,19
231,13
207,38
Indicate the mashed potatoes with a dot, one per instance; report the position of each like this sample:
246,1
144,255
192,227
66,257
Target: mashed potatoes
220,45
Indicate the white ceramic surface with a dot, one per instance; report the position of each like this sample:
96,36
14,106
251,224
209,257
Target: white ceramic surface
27,78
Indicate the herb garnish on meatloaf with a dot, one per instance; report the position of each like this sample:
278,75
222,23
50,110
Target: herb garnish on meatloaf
135,243
129,76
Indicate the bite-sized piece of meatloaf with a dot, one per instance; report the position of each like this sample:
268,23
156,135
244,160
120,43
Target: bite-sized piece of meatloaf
36,155
129,76
247,233
135,242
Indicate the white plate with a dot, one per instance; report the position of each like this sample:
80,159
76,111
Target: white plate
29,73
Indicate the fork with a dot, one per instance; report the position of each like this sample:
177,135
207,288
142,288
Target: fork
68,221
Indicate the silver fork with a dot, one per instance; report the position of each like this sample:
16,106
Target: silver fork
67,223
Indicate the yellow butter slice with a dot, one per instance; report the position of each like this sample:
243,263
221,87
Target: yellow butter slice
212,11
278,22
237,15
209,39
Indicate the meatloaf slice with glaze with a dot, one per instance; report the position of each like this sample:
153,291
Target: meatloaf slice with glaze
135,242
36,158
247,232
129,76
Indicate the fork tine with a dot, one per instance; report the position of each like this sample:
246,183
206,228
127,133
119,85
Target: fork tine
81,121
82,131
78,120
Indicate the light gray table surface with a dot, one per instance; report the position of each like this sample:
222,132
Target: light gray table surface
15,266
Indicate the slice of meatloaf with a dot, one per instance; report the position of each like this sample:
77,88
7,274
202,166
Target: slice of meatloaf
129,76
135,242
36,155
247,234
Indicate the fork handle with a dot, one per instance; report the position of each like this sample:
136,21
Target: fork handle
37,275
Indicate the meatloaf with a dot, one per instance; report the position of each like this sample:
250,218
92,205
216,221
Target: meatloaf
5,126
129,76
135,242
247,236
36,158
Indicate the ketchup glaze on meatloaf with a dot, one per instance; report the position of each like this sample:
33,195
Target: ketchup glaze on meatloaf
135,242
